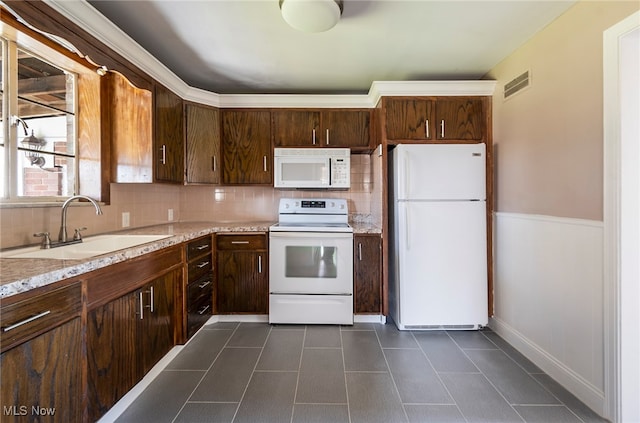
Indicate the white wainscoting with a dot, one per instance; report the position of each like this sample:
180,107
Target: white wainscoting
548,286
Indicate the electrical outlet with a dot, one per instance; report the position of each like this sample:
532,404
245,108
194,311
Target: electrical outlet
170,215
125,219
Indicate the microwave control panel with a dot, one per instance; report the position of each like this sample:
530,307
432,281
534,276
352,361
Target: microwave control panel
340,172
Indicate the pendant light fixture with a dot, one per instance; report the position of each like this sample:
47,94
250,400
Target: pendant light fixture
311,15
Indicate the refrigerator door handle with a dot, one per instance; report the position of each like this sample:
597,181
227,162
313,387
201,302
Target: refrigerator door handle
406,228
406,175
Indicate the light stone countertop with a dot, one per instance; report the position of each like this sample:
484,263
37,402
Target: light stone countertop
21,275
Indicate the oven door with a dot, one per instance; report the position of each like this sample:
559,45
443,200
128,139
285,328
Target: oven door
311,263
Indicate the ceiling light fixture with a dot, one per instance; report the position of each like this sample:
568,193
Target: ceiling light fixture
311,15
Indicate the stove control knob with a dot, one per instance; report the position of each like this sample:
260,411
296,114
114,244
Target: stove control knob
342,206
286,205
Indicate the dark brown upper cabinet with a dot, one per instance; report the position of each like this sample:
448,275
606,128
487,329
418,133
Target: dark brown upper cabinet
435,119
322,128
247,156
203,158
169,136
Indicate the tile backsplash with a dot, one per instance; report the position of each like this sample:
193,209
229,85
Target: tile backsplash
149,204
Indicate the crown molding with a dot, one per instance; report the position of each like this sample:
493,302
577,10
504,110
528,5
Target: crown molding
83,14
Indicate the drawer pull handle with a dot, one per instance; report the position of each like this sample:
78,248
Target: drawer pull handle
203,310
25,321
152,299
202,247
239,242
202,285
141,304
203,264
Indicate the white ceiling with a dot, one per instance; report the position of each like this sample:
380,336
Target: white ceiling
245,47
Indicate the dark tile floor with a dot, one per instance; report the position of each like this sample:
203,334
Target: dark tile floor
254,372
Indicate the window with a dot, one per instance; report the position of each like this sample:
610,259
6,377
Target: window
39,125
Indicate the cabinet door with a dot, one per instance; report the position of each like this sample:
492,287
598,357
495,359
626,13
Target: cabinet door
242,282
128,110
296,128
246,147
112,352
346,128
44,373
460,119
367,274
408,119
168,138
203,144
158,322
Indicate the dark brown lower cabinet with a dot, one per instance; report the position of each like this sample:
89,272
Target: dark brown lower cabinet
40,365
242,274
41,378
367,274
126,338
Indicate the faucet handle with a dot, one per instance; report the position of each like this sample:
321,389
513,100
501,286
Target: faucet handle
46,241
76,235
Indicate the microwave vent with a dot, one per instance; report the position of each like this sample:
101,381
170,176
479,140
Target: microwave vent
517,84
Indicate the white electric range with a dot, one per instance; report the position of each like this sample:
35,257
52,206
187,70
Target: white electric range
311,263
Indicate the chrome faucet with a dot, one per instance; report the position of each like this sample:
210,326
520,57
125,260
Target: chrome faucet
62,236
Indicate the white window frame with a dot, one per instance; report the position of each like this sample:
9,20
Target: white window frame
16,40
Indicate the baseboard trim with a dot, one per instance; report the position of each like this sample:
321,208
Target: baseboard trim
128,399
576,384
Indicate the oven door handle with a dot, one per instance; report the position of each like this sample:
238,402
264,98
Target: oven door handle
334,235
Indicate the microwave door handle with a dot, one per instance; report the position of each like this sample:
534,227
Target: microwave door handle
329,184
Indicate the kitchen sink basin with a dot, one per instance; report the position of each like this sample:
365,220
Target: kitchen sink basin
90,247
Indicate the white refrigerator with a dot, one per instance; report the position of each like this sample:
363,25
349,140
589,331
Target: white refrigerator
438,236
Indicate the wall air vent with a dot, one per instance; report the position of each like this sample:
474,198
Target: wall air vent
518,83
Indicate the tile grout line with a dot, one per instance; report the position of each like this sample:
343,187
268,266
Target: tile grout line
444,385
536,380
206,371
344,368
486,377
295,394
393,379
235,414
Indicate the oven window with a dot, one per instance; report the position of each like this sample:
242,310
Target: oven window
311,262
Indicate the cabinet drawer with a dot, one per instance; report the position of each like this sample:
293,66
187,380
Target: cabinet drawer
199,247
26,319
201,289
241,242
199,267
198,316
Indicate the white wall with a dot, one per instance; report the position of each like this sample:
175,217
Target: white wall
549,234
548,297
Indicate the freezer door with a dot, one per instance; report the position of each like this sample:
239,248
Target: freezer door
439,172
441,250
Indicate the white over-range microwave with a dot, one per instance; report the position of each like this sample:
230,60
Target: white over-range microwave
312,168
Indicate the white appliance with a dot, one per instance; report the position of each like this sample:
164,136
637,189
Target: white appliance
311,263
438,240
312,168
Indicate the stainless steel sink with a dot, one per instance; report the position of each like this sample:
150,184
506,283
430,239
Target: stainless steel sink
90,247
